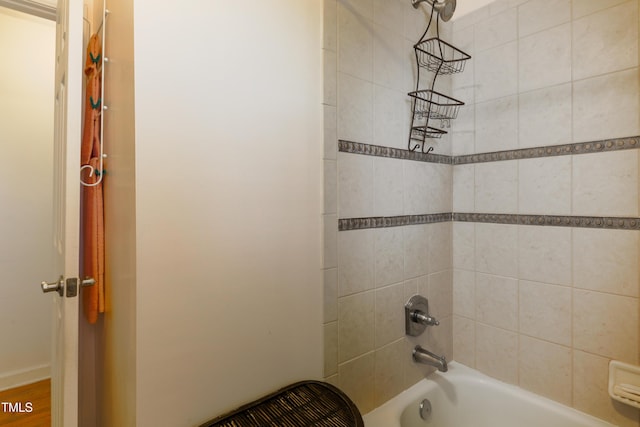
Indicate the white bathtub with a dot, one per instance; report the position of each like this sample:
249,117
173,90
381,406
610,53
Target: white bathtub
463,397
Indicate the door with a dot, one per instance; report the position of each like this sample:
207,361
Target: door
66,212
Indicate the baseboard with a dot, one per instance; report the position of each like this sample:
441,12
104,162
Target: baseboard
26,376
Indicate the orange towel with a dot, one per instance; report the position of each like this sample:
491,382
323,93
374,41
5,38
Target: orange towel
92,198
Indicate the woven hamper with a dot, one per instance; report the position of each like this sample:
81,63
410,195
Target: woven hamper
302,404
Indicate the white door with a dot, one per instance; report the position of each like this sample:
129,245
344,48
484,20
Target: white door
66,195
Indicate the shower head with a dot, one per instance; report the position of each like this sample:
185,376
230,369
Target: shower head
445,8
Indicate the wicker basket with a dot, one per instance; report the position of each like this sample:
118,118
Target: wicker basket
306,403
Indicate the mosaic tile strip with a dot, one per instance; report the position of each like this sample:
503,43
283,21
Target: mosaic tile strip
391,221
496,156
396,153
551,151
618,223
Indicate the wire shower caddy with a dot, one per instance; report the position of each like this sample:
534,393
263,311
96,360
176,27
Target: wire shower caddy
441,58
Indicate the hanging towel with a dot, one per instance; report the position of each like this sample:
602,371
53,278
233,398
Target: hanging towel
92,197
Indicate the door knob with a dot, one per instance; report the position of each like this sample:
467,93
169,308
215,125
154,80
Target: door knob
57,286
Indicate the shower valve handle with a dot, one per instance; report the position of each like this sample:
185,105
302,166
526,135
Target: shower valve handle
416,316
423,318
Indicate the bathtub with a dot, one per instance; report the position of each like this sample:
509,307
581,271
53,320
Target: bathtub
463,397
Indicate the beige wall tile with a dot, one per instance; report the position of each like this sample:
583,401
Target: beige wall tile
330,25
355,45
544,186
497,301
389,371
389,256
355,109
544,246
355,325
355,185
496,72
545,58
543,115
606,41
330,84
439,246
606,184
606,260
463,188
464,245
496,187
464,293
497,249
391,113
389,314
357,380
582,8
497,353
464,342
496,30
545,311
615,114
440,180
388,187
416,250
388,57
355,261
545,369
389,13
497,125
330,279
417,188
330,187
606,324
548,13
330,349
330,137
330,241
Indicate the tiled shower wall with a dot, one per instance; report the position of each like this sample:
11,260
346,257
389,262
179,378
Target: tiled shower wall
541,306
369,274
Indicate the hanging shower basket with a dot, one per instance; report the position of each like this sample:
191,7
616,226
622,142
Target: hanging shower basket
419,133
434,105
440,57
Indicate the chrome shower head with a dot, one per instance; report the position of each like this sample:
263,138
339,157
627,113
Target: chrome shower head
445,8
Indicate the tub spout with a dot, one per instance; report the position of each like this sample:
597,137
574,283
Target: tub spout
420,355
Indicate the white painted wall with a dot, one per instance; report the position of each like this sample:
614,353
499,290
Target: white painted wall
228,202
27,49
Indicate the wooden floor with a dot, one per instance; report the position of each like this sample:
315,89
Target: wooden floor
38,394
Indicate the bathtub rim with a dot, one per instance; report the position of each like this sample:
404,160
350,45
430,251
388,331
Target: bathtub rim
391,411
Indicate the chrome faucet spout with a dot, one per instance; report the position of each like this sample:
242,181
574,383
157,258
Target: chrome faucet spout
420,355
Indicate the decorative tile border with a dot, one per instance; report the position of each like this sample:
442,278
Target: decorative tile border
551,151
395,153
620,223
617,223
391,221
614,144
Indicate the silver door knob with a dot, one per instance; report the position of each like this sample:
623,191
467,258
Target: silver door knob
57,286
